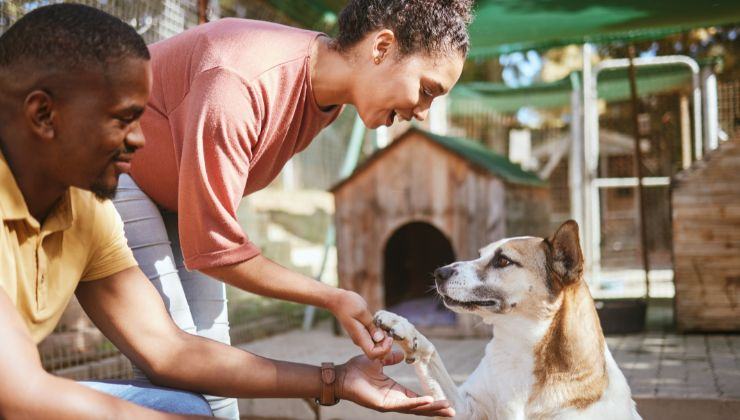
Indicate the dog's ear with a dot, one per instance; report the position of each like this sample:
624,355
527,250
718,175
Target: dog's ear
566,258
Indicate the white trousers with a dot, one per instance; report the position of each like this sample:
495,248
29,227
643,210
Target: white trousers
196,302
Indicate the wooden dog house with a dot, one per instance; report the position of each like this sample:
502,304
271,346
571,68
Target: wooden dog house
706,242
423,202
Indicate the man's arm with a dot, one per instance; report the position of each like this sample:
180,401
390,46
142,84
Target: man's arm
130,312
27,391
264,277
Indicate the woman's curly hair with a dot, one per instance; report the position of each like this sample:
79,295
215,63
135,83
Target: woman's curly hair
429,26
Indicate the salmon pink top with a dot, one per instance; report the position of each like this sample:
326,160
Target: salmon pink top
231,103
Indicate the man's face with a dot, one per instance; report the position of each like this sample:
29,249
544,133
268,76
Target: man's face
97,126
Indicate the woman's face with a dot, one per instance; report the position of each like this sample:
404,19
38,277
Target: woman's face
401,87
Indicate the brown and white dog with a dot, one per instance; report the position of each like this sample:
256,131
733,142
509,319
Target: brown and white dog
548,358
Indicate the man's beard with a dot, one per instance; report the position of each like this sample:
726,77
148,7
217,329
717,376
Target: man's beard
103,192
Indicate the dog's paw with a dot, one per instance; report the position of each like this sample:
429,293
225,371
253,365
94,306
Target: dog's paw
415,346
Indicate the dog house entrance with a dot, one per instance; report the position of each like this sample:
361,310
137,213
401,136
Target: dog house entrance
412,254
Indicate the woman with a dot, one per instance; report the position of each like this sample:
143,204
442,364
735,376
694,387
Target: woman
232,102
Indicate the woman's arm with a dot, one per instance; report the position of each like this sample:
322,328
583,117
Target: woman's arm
262,276
222,125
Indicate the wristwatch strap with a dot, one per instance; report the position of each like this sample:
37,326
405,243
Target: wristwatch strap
328,385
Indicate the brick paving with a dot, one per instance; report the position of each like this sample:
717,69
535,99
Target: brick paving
665,364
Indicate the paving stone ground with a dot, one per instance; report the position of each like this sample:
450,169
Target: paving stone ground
663,368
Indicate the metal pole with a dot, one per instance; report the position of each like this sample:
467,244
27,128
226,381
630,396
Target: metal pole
698,142
710,109
685,132
575,156
590,148
638,169
348,166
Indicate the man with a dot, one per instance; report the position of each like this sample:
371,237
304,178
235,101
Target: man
73,84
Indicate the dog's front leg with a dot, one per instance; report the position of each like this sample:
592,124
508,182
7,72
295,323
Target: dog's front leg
420,352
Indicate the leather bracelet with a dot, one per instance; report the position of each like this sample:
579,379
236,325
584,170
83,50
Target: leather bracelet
328,385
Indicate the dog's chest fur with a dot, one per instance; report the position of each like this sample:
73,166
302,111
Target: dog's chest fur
503,381
504,384
505,393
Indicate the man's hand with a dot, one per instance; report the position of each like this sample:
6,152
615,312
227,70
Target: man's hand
362,381
351,311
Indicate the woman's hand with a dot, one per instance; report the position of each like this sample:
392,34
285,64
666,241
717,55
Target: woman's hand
264,277
362,381
351,311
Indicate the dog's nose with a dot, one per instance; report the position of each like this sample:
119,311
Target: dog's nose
444,273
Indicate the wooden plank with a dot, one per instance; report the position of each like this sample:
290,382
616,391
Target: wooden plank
691,199
729,212
709,310
710,235
706,249
688,260
704,290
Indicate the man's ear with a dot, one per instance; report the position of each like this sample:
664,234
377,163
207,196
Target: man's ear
382,43
566,258
39,112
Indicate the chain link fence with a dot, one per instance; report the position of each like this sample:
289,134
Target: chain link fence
728,104
153,19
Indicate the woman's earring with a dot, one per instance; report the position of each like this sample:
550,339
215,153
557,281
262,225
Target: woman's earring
377,60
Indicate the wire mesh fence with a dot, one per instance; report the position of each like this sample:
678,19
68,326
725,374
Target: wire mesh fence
728,104
153,19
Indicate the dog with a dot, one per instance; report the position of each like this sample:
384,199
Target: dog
548,358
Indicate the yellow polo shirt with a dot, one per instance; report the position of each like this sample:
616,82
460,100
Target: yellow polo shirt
82,239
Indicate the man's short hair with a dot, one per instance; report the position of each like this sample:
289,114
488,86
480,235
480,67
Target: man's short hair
69,36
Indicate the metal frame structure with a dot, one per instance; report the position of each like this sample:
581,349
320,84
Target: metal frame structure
590,213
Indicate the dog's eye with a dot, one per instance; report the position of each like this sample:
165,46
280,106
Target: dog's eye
501,261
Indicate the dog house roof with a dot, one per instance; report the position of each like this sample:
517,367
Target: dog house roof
470,150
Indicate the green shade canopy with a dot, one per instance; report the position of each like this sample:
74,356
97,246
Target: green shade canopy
503,26
613,85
